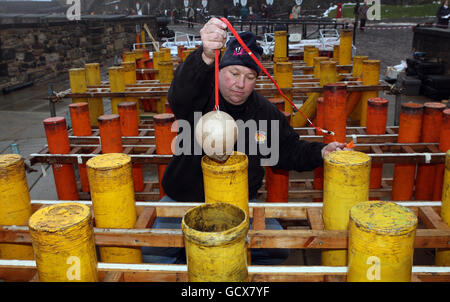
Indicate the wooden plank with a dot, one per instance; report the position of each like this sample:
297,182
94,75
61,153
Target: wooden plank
259,219
431,219
377,149
435,238
408,149
15,274
35,278
415,278
127,150
315,218
114,277
146,218
174,272
335,278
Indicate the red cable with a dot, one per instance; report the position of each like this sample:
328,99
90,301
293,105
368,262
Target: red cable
216,79
238,38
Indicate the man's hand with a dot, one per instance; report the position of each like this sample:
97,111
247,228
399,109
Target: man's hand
214,36
331,147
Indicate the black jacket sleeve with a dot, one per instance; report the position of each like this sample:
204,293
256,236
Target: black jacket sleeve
191,86
296,154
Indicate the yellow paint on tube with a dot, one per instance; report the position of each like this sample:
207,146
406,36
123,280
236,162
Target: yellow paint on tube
112,193
346,183
215,241
443,255
381,242
228,181
63,242
15,205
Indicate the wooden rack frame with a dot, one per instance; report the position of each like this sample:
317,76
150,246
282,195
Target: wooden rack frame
436,234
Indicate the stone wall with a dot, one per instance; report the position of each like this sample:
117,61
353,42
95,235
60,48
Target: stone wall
34,48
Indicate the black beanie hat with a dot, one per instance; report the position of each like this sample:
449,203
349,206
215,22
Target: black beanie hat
236,54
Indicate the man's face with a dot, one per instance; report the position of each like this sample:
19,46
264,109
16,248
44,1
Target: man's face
236,83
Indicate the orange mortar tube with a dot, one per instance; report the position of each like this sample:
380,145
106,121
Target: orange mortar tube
129,126
319,115
277,185
431,127
58,143
139,65
410,126
318,172
180,49
168,109
444,145
277,180
334,98
145,61
278,102
164,137
377,109
353,99
110,133
149,65
81,126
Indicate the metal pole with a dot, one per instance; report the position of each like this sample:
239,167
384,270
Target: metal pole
50,101
398,104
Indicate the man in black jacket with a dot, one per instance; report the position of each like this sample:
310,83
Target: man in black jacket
192,94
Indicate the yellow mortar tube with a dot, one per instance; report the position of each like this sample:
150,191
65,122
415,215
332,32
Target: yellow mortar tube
129,56
284,73
15,205
336,54
370,76
138,53
228,181
280,49
165,76
77,79
129,76
95,104
346,183
381,242
112,192
143,38
443,255
328,72
63,241
215,241
309,53
345,47
167,57
116,84
316,66
357,70
158,56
